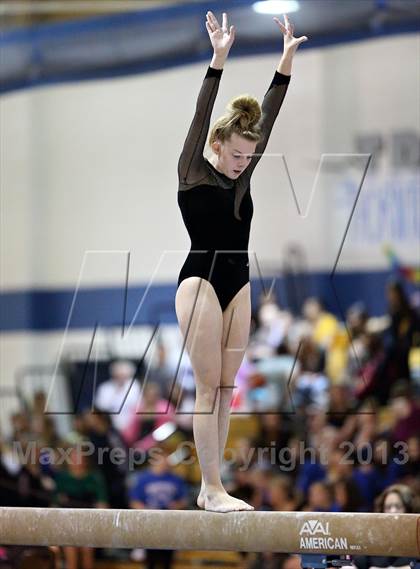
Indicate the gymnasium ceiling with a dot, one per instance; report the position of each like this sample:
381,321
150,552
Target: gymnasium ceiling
44,41
314,15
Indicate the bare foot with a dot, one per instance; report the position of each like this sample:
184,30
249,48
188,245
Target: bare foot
222,502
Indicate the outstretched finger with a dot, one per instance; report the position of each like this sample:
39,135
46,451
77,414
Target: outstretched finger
289,26
283,29
224,21
213,20
231,35
209,25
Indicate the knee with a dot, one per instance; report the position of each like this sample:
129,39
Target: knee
226,391
227,378
206,394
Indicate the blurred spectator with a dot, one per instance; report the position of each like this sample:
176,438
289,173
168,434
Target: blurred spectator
152,412
397,499
346,349
80,486
405,413
35,489
110,455
275,430
404,323
160,372
347,497
79,429
320,498
9,495
373,377
337,355
389,464
414,362
311,386
310,472
242,488
42,424
292,561
411,462
340,465
243,458
356,320
365,475
120,394
277,371
260,481
323,324
259,392
21,427
272,327
158,488
319,436
282,494
359,426
340,405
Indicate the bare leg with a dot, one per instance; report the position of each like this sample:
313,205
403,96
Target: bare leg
87,557
236,326
201,322
71,557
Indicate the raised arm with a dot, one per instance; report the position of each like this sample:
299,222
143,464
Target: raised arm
273,99
270,107
191,160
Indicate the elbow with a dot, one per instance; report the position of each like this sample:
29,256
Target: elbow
182,176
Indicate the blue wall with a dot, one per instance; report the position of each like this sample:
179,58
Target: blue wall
45,310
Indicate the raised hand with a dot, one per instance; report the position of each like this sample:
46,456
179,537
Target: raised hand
290,42
221,37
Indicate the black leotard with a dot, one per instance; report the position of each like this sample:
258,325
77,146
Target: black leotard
216,209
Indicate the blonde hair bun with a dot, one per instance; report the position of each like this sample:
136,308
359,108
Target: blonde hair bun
246,110
242,117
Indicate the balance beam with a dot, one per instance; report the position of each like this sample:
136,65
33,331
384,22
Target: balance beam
287,532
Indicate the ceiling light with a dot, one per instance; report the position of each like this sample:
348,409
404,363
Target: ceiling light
276,6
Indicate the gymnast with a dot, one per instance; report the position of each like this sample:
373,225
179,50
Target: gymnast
213,302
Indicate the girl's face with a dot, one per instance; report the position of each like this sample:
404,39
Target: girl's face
234,155
319,496
341,496
277,493
393,504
